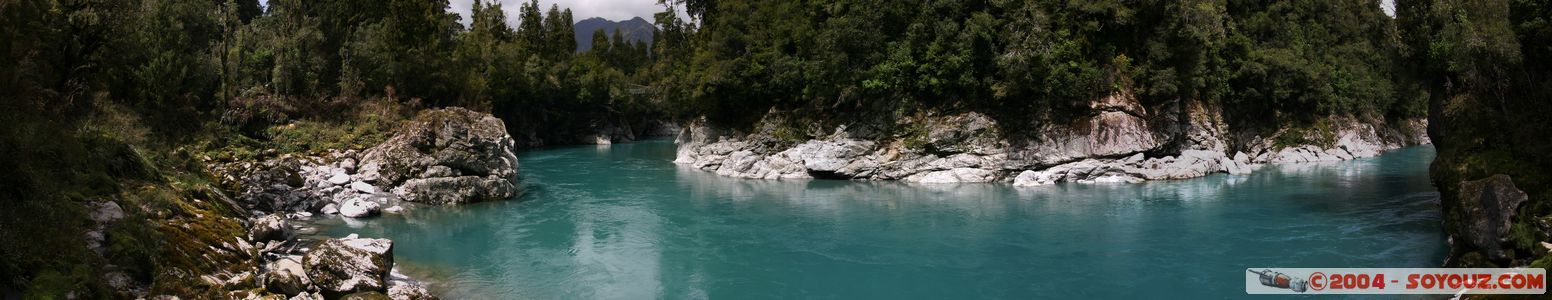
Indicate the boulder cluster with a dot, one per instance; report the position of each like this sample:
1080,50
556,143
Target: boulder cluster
442,156
336,268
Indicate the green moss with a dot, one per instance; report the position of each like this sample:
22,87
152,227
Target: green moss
316,137
914,137
1318,133
788,134
1524,235
78,283
1544,262
1473,260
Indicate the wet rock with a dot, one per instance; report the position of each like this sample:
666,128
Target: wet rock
455,190
1033,178
360,207
955,175
349,265
401,287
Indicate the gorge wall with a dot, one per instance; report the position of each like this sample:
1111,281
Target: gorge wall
1485,66
1121,140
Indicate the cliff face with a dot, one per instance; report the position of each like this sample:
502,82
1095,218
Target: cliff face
1492,174
1484,63
1120,141
1491,171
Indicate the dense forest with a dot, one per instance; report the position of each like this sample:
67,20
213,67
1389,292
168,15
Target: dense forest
128,100
98,93
182,64
1038,60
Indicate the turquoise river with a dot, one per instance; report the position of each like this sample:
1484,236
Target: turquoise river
624,222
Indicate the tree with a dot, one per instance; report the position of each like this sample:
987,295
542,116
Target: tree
600,43
558,34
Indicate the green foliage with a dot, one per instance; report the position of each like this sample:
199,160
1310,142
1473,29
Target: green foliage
1318,133
133,246
319,137
73,283
915,138
1480,64
1031,61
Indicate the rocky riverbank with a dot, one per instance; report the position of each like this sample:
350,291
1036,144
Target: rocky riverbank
1121,142
439,157
443,156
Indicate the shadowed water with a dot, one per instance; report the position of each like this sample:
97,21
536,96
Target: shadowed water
623,222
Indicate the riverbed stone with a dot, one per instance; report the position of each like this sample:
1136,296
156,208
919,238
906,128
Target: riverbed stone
339,178
1032,178
402,287
363,187
360,207
348,165
455,190
286,276
272,227
955,175
342,266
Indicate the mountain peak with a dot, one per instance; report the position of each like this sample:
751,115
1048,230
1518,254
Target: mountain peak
636,29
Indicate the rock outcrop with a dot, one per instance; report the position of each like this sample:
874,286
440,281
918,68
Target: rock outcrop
442,156
1488,208
349,265
269,228
334,268
1120,142
446,149
286,276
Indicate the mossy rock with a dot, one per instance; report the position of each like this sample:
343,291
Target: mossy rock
349,265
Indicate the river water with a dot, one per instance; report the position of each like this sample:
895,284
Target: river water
624,222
